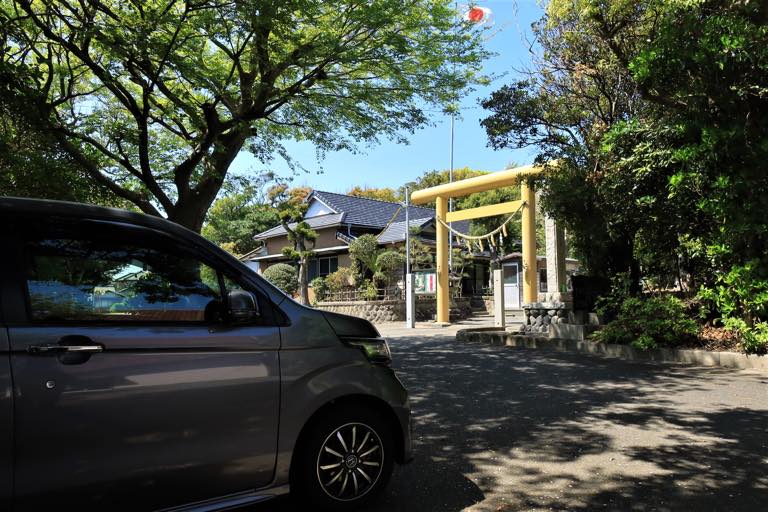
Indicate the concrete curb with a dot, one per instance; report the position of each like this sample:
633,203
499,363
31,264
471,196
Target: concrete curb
666,355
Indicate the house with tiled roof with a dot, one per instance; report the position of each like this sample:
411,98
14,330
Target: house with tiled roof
339,219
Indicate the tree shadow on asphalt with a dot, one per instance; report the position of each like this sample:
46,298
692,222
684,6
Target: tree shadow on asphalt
530,427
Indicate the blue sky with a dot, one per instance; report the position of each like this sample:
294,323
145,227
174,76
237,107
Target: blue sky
390,164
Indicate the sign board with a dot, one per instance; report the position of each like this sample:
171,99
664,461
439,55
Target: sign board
425,282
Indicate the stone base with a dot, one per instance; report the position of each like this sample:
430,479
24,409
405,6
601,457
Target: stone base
539,316
571,331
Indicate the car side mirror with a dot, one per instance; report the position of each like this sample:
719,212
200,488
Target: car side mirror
243,306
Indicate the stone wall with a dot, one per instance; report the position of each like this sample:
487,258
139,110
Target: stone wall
383,311
540,315
380,311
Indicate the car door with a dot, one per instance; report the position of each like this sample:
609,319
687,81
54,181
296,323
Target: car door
132,390
6,401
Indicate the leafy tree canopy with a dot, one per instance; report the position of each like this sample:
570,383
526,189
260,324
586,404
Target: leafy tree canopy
382,194
659,110
154,100
240,213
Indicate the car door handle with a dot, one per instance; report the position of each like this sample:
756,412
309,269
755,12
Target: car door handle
55,348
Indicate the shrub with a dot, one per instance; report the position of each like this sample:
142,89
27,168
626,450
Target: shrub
607,306
379,264
753,339
284,276
320,288
647,322
364,251
369,291
342,279
740,293
388,263
739,300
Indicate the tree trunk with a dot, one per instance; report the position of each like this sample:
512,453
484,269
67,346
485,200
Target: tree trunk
303,281
190,214
193,203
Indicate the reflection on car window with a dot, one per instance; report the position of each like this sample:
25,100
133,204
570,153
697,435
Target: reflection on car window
105,281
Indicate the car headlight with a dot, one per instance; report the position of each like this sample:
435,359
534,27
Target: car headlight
375,349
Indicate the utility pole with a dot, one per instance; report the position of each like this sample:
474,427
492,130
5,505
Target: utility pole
450,200
407,233
410,293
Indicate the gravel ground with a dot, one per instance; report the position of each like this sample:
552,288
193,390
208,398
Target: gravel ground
500,429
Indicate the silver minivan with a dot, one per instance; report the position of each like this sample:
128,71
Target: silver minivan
143,368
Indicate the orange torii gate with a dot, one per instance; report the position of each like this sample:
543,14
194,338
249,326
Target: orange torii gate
442,193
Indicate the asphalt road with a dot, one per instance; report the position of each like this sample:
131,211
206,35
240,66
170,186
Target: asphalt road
501,429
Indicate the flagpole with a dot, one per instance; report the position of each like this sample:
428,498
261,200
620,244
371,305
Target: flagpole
450,168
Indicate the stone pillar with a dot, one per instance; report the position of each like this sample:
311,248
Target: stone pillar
556,279
499,314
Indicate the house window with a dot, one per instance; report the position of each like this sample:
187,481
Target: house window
321,267
327,265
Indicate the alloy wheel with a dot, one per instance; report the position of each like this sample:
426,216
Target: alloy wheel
350,462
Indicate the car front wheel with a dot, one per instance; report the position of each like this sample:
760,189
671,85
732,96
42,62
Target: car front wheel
346,461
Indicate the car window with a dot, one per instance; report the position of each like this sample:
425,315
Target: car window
98,280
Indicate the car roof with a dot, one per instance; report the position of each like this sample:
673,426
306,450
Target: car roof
49,207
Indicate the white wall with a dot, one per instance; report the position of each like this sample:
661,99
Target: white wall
316,208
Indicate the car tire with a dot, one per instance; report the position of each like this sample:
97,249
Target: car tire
345,461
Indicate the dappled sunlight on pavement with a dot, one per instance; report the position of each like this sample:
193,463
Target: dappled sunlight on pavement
515,429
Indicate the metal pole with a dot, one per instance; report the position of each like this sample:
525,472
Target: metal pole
410,298
450,200
450,169
407,233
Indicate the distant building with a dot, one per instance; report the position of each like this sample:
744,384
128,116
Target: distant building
339,219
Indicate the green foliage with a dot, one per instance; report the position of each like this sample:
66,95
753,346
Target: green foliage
740,298
291,206
342,279
572,97
422,256
389,263
657,112
753,338
380,264
155,100
381,194
370,292
320,287
32,162
741,293
363,251
648,322
608,306
284,276
236,217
